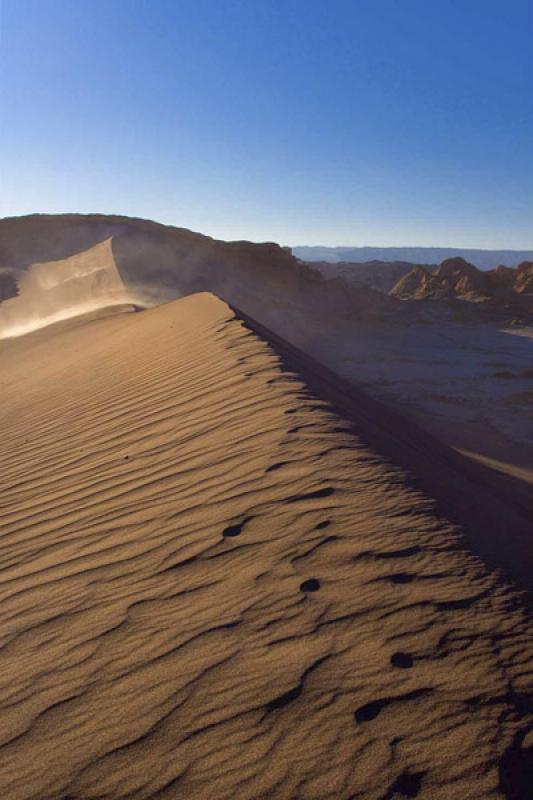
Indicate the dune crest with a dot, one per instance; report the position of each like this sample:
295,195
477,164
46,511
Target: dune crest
52,291
211,587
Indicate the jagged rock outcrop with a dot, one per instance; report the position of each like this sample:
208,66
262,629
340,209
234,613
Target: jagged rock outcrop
456,279
419,284
523,283
460,278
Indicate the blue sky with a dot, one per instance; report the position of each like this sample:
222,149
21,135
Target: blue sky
348,122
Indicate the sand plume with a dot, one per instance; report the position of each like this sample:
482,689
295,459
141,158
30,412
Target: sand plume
52,291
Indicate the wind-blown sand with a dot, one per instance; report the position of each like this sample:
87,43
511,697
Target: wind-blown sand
52,291
212,587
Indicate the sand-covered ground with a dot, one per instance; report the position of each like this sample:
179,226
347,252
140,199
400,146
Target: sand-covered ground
212,587
468,383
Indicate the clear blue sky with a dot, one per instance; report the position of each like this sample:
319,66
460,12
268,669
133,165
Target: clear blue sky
380,122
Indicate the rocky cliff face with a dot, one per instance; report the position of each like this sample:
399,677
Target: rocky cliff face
523,282
456,279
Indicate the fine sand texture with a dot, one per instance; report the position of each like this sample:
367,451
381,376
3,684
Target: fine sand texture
214,582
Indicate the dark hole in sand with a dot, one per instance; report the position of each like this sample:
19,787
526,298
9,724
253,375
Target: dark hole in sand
407,551
234,530
371,710
274,467
368,711
285,699
312,495
310,585
408,784
401,577
401,660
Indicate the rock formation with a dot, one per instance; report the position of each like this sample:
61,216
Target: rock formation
456,279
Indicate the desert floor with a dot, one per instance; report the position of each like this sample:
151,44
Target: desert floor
469,384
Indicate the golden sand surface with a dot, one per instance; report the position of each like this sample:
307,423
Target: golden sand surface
211,587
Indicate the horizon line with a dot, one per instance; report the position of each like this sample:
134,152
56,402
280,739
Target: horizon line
528,249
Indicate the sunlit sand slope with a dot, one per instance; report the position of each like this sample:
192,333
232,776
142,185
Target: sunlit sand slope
56,290
210,588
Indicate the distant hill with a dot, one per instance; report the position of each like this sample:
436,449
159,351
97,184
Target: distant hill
483,259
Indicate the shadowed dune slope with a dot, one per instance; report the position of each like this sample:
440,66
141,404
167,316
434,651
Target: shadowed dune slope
210,586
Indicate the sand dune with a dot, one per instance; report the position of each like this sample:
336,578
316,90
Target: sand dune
450,369
211,587
51,291
164,263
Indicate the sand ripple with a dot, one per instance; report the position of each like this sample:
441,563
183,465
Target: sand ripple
211,588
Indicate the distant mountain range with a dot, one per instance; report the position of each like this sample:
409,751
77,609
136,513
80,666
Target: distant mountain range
483,259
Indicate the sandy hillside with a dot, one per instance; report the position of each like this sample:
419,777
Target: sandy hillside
211,587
